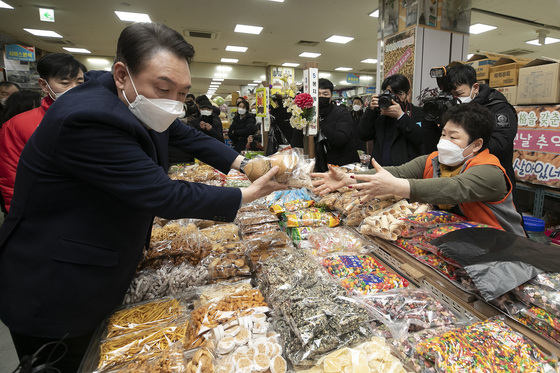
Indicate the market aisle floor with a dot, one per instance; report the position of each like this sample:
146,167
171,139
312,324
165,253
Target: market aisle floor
8,356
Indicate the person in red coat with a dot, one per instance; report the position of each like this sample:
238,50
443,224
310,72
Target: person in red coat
58,73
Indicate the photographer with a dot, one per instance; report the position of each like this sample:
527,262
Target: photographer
392,122
461,82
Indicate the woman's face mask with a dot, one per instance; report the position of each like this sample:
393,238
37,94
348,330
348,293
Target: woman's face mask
451,154
156,113
206,112
241,111
356,107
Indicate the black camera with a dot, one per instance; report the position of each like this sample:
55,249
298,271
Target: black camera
434,107
386,99
257,137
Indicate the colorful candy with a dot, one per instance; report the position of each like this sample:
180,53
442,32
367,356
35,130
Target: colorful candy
444,229
433,218
541,296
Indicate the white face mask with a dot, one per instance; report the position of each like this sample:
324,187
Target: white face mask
254,111
56,95
241,111
356,107
466,100
3,101
205,112
156,113
451,154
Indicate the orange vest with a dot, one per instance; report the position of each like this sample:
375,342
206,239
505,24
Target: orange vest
500,214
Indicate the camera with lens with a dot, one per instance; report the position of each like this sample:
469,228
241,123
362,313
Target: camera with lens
386,99
434,107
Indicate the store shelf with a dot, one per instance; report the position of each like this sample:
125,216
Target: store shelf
540,191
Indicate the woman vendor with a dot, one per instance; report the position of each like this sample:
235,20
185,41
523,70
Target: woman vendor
461,177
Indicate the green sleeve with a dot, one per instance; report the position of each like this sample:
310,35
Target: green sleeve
476,184
413,169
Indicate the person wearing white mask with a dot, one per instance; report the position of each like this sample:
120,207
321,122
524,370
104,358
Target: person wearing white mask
461,82
58,73
243,125
461,177
89,183
357,110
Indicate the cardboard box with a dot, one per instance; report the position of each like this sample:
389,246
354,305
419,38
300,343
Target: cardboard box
539,82
482,64
505,71
510,93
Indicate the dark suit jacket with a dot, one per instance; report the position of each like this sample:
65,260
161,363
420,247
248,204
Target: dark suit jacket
89,182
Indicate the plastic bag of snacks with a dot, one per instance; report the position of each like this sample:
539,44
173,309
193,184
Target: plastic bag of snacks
325,240
289,200
433,219
441,230
371,356
172,360
405,310
226,261
541,296
221,233
150,342
485,346
300,233
548,279
387,223
311,217
362,274
220,311
293,168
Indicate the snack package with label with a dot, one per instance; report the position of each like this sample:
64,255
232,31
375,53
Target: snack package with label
431,219
405,310
446,228
362,274
294,168
326,240
311,217
372,356
541,296
300,233
289,200
485,346
388,223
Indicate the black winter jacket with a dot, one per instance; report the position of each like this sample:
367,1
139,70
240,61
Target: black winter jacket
408,138
240,129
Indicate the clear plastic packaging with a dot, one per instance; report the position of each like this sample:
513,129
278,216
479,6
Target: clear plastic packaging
294,168
433,219
223,233
541,296
326,240
405,310
446,228
227,261
311,217
388,223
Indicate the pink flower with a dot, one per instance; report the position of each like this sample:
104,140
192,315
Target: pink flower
304,101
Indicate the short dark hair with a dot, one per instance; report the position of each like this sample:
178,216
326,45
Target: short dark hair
358,98
459,75
476,120
141,41
19,102
190,95
7,83
201,98
59,65
326,84
397,82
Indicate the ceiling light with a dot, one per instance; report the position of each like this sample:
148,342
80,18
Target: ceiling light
343,69
215,83
229,60
324,75
223,68
133,17
47,33
252,84
218,79
6,6
547,40
310,54
246,29
369,60
343,82
232,48
257,81
290,64
375,13
220,75
366,77
98,61
76,50
479,28
339,39
277,1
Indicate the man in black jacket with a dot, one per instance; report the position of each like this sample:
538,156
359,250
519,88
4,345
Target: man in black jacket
461,82
395,130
